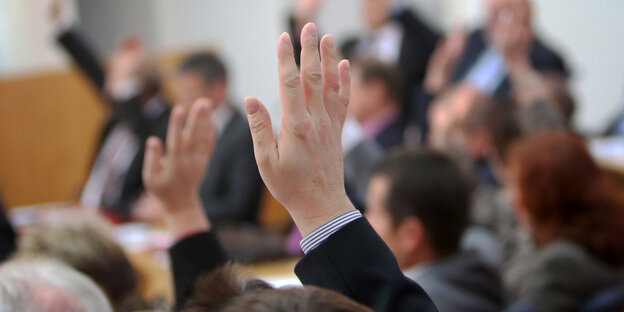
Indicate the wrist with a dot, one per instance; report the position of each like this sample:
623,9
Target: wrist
184,217
308,217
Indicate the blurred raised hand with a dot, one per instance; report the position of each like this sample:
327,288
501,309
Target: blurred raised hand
512,31
303,166
307,10
124,65
173,176
444,59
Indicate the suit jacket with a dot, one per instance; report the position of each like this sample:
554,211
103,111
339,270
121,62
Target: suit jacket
366,272
543,59
463,282
7,235
232,186
129,111
355,262
560,276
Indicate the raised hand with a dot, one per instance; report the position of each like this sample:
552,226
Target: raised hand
303,167
444,59
174,176
125,64
513,33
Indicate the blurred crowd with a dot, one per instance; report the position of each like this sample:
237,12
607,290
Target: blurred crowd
457,149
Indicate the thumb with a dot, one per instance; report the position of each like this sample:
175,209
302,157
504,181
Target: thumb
265,145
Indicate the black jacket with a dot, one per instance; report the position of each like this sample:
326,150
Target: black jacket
232,186
354,261
130,111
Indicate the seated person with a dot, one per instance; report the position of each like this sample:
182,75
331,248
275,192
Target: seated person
575,215
506,47
48,286
302,168
418,202
136,108
232,186
511,63
87,245
375,102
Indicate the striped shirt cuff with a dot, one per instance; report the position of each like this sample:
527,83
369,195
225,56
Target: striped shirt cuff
319,235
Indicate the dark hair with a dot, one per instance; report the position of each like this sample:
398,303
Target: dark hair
388,75
209,65
566,195
432,188
500,119
229,289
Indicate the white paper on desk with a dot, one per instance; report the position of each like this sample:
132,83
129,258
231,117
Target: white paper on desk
282,280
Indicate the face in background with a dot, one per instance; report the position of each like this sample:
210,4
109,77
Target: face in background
503,9
190,86
377,213
367,98
403,239
376,12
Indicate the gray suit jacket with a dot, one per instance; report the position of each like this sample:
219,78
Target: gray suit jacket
232,186
463,282
559,277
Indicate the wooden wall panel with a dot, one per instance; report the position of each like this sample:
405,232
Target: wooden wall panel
49,125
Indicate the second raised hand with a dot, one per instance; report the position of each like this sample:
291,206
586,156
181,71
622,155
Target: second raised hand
303,167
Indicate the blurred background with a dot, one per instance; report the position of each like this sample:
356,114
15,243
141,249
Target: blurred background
48,136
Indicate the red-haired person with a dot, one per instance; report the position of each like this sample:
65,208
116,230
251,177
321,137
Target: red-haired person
576,221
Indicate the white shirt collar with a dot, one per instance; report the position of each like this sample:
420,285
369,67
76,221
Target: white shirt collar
221,116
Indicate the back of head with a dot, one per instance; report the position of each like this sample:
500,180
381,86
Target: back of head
432,188
48,286
388,75
499,120
87,245
230,289
565,195
208,65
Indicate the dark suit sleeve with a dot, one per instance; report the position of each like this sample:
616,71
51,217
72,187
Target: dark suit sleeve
190,258
84,57
355,262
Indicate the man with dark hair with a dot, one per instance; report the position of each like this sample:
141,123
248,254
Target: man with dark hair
418,203
376,102
232,185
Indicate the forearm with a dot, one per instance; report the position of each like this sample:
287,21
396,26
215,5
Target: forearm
83,57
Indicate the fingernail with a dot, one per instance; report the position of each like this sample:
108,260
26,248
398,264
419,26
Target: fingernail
285,39
330,42
311,30
251,106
